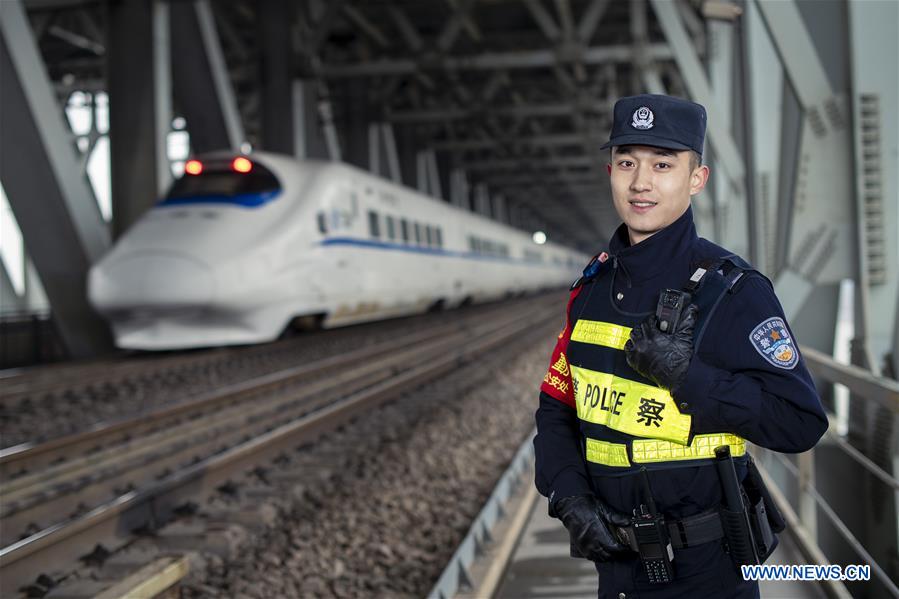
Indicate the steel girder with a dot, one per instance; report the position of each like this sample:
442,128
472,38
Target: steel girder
202,84
140,110
50,197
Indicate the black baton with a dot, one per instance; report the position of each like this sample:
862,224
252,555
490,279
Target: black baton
734,517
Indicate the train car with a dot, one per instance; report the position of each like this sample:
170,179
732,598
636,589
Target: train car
244,246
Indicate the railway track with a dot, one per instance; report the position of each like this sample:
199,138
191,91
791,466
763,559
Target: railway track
19,459
134,473
22,384
30,383
49,402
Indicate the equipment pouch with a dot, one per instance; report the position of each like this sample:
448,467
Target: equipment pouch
765,541
755,487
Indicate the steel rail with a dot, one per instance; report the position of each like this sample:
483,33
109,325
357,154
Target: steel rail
114,370
112,523
28,456
47,494
21,384
43,495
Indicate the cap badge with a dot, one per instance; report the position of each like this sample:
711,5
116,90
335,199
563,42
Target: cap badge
643,118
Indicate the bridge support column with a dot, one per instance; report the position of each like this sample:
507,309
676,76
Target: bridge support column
53,203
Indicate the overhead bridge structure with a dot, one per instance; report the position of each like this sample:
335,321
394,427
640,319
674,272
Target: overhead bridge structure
497,108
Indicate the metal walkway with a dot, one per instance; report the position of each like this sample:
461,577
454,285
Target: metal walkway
542,569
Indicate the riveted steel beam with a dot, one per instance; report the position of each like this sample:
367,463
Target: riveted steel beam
10,300
797,50
453,27
526,59
590,20
516,110
278,133
586,179
875,95
49,195
140,108
543,19
535,162
693,72
201,83
557,139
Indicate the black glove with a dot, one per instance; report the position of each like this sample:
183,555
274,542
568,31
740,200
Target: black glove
587,520
661,357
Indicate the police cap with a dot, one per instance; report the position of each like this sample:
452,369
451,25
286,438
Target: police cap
658,121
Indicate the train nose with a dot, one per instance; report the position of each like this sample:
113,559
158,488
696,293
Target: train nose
152,278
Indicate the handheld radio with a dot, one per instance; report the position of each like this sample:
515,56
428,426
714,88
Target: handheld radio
653,542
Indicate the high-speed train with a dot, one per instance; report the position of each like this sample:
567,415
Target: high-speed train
243,247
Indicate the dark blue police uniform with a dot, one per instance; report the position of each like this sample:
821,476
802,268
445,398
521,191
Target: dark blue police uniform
600,422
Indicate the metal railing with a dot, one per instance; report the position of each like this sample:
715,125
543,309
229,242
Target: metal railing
803,522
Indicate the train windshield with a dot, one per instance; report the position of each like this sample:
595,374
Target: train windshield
221,183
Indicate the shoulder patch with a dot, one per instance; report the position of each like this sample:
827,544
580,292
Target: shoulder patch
772,340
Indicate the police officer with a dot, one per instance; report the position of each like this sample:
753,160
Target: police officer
627,409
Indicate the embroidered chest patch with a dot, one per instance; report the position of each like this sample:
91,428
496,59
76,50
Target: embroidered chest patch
773,342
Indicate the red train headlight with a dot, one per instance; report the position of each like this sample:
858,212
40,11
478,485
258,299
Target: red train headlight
241,165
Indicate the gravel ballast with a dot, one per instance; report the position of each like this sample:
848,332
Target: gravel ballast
383,518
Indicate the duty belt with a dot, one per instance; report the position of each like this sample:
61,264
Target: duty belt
644,451
688,532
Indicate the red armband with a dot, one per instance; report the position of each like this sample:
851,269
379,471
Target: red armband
557,381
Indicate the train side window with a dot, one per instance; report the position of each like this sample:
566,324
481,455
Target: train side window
404,229
418,233
429,237
322,222
391,229
373,224
439,236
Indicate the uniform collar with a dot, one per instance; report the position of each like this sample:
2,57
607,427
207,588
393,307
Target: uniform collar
653,255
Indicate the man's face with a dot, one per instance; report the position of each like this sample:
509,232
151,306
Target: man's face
652,187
